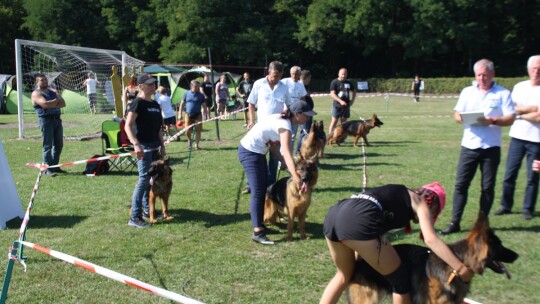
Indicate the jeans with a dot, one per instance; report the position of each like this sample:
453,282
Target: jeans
469,160
517,150
273,164
257,173
141,193
305,131
53,139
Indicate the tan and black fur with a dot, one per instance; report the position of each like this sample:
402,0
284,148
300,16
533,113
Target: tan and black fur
160,187
313,144
356,128
285,194
481,249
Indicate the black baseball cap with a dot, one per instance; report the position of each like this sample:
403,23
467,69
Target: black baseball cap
145,78
301,106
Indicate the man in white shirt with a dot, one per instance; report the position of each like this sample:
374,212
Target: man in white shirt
525,141
481,142
268,96
297,91
91,84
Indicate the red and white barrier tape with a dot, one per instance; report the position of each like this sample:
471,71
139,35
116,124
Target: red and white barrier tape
469,301
224,116
365,95
113,275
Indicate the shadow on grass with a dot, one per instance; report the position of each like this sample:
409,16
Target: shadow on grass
209,219
522,229
313,231
48,221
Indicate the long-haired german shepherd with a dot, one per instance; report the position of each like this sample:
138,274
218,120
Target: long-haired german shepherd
286,194
313,144
432,280
160,187
358,128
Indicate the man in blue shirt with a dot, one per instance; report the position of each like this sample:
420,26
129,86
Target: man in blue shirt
192,100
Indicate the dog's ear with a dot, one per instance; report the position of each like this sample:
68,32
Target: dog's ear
374,117
166,159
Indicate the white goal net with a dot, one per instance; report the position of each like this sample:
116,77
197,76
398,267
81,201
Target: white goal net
67,68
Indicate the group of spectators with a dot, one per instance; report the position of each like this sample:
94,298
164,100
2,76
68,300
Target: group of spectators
353,225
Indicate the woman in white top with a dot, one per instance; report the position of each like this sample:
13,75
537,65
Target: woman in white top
167,110
270,133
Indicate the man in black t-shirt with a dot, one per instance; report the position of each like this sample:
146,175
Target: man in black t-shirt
243,89
343,94
206,90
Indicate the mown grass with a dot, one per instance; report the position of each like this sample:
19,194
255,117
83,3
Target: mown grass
206,252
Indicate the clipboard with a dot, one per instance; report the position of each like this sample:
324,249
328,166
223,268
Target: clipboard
470,118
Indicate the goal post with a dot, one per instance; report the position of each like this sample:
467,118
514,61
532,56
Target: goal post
67,68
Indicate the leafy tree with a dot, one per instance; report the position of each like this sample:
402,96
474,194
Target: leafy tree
11,12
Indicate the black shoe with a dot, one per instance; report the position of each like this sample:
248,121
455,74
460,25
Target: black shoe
527,215
269,230
502,211
451,228
246,190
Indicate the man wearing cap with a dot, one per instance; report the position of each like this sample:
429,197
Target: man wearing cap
271,133
143,127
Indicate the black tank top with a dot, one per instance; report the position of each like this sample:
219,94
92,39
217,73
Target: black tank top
396,205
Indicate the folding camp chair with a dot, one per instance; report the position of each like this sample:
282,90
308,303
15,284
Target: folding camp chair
110,144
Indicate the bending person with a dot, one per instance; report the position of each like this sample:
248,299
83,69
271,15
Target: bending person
358,225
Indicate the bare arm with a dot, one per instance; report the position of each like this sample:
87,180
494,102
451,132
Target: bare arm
434,243
131,132
336,98
285,139
251,110
38,99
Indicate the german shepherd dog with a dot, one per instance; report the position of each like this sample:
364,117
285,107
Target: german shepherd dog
160,187
358,128
313,144
432,280
286,194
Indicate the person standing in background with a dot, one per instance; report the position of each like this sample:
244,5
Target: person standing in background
91,92
305,78
192,100
47,103
222,94
243,90
206,90
297,91
415,87
167,110
343,95
481,142
524,142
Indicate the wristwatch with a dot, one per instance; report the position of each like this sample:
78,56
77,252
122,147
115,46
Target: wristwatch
518,117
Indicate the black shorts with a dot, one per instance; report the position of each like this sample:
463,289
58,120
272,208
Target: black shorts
353,219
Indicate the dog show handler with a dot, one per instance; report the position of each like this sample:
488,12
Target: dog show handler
270,133
358,224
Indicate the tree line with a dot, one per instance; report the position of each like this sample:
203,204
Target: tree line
372,38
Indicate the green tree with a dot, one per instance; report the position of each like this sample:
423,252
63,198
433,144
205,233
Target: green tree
11,13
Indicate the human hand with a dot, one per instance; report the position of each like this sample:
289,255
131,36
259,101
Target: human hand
140,151
465,273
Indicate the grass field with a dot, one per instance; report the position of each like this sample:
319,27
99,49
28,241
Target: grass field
206,253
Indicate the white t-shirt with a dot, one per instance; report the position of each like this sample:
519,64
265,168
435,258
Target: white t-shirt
166,106
269,101
524,94
264,132
91,86
495,103
297,89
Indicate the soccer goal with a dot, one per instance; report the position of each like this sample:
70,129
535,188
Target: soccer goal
67,68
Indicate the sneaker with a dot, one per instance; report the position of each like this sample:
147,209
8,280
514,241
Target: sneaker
137,222
49,173
247,190
245,125
502,211
261,238
58,170
451,228
527,215
146,216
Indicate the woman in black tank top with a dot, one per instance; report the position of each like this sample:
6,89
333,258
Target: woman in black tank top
354,228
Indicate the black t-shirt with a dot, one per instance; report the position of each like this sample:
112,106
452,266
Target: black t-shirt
148,120
207,88
396,204
245,87
342,89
